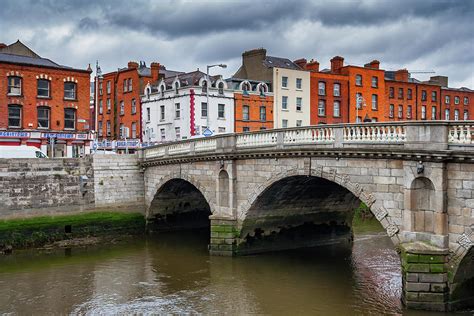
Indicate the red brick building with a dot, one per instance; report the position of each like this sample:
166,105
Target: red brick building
118,96
43,102
456,104
253,105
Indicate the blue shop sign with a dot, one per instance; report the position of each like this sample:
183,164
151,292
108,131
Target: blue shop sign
57,135
14,134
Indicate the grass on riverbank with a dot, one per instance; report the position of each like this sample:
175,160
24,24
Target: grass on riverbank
364,222
37,231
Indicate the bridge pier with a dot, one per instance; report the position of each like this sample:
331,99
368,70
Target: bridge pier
224,235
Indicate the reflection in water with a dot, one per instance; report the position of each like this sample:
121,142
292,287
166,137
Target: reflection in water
173,273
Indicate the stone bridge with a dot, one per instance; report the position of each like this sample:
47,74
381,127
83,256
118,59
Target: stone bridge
288,188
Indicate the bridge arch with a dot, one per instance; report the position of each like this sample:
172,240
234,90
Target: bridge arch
332,177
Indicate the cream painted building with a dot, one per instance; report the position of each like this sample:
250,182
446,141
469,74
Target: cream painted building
290,86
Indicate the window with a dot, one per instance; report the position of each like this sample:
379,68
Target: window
263,128
162,134
70,90
101,107
221,111
43,117
121,130
299,102
204,86
400,111
466,115
245,129
100,128
321,108
221,129
322,88
423,112
447,99
221,88
337,90
107,126
14,85
400,93
69,118
162,90
299,123
108,87
433,113
245,112
203,109
284,123
177,132
148,114
391,111
375,82
409,94
100,88
43,88
359,100
125,85
466,100
262,90
423,95
456,100
130,85
391,92
284,82
284,102
122,108
263,114
176,87
246,87
409,112
433,96
298,83
134,130
108,105
456,115
375,105
134,106
14,116
446,114
337,109
358,80
162,112
177,111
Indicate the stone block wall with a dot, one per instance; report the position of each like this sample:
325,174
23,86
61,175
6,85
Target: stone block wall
32,187
118,182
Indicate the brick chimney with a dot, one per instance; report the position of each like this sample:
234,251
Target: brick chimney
155,71
302,62
337,62
313,65
375,64
439,80
401,75
132,64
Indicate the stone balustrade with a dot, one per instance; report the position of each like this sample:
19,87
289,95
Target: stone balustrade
430,135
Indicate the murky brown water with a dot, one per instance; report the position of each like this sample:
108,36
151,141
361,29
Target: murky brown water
173,273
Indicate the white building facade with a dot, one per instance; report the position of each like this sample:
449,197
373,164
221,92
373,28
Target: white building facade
185,106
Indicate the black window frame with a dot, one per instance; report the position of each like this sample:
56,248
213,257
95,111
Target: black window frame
19,118
69,119
75,90
48,109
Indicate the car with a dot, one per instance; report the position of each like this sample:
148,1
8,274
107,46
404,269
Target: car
21,152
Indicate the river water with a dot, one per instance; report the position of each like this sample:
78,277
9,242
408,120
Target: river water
173,274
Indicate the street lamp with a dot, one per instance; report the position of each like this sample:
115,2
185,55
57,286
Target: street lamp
207,90
99,77
359,102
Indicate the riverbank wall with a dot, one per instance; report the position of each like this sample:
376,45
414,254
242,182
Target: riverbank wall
45,187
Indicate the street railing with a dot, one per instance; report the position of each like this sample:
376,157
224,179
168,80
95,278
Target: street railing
428,135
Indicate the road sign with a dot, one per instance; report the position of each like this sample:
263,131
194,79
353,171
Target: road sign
207,132
94,146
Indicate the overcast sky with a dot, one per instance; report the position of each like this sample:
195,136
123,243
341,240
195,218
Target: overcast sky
185,35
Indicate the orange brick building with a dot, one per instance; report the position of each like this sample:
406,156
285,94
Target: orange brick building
401,98
118,105
253,105
41,100
456,104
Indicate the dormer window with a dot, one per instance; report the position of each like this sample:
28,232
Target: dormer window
14,85
262,90
162,90
245,88
176,87
204,86
221,88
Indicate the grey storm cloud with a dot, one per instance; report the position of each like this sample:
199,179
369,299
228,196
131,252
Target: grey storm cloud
189,34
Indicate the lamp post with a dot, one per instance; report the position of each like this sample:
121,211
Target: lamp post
207,90
359,101
99,77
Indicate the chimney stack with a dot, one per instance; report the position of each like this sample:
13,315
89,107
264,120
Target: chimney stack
155,71
337,62
2,45
375,64
302,62
132,64
439,80
401,75
313,65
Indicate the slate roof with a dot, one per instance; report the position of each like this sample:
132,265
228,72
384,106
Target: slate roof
279,62
189,78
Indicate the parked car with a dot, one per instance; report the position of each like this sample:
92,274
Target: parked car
21,152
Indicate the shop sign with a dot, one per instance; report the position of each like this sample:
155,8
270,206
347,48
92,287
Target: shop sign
81,136
57,135
14,134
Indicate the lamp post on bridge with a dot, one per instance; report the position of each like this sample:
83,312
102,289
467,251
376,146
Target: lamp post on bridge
207,95
360,102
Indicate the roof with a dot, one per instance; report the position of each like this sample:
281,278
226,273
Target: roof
190,78
18,53
234,83
279,62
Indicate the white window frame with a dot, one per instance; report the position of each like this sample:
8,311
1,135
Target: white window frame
245,113
299,83
337,109
177,111
284,82
322,108
284,102
299,104
221,111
